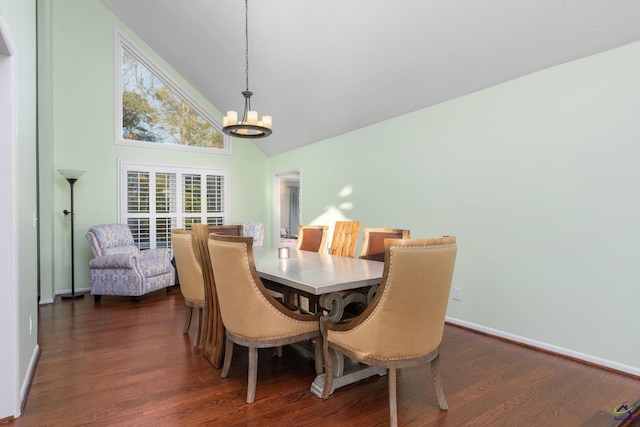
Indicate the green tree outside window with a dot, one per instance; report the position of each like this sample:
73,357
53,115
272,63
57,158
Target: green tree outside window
153,112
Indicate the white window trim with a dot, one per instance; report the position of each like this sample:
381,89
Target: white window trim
120,41
124,165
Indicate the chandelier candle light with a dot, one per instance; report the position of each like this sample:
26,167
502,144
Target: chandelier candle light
249,126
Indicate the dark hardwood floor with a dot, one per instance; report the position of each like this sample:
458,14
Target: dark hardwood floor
122,363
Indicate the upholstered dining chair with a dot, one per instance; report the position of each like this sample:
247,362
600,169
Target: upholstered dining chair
373,241
251,316
345,238
312,238
191,281
403,325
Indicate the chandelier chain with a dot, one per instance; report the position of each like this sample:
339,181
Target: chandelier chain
246,36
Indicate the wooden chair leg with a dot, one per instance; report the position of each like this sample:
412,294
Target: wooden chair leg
187,319
437,383
253,373
328,371
199,320
318,355
393,405
228,355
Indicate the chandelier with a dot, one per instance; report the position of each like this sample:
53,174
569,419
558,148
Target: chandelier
249,126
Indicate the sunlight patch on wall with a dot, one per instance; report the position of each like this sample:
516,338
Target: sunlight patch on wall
332,213
346,191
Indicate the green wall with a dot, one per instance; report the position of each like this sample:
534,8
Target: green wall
536,177
83,134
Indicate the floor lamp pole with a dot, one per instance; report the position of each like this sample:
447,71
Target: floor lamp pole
72,176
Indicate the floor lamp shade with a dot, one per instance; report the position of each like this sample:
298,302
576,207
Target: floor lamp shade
72,175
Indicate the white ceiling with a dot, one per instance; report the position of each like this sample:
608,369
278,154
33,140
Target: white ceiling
328,67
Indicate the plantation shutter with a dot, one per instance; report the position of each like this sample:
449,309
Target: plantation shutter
162,198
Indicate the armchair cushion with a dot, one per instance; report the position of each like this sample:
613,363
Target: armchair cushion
156,255
113,261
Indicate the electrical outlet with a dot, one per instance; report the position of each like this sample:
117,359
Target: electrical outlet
31,324
457,294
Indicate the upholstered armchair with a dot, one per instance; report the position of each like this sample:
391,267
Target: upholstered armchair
120,268
253,229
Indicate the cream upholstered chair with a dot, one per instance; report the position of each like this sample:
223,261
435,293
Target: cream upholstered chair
251,316
345,238
191,281
403,325
312,238
373,241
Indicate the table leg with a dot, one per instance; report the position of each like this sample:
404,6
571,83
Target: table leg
347,378
335,303
346,371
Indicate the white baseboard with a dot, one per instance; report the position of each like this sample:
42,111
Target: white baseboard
68,291
45,301
28,379
548,347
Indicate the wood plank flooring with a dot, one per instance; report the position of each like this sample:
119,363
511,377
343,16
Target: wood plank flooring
122,363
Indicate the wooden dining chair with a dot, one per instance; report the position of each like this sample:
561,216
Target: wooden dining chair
373,241
312,238
345,238
191,281
403,325
212,343
251,316
227,230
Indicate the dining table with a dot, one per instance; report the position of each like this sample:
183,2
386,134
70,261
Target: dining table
336,281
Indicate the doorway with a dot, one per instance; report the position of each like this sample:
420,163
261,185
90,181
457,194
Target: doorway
287,213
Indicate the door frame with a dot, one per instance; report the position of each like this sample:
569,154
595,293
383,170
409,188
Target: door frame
278,178
9,294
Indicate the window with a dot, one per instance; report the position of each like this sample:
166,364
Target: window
152,110
155,199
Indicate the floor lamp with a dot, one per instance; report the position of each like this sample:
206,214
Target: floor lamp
72,175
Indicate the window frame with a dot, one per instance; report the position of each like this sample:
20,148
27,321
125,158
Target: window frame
125,166
122,42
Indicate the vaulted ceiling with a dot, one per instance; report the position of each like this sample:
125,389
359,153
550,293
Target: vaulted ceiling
324,68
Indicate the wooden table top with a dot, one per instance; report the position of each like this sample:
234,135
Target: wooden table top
316,273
